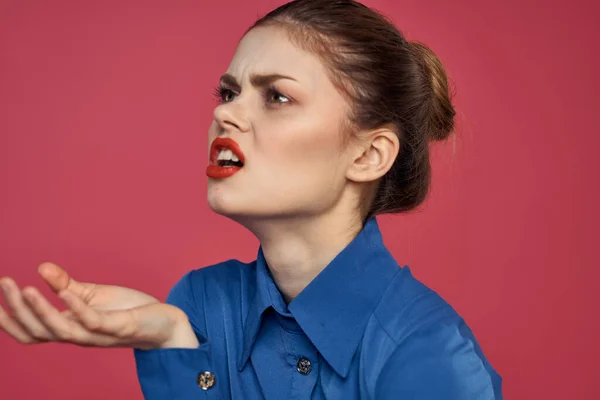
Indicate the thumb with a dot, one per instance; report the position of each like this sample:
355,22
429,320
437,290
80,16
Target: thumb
57,278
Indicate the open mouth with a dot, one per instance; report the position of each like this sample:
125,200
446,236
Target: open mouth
226,158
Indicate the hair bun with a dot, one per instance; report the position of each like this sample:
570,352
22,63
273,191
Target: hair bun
441,112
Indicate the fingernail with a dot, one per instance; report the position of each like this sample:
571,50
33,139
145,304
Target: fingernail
27,292
30,297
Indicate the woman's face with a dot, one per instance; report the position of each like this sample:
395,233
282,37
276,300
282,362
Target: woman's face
285,115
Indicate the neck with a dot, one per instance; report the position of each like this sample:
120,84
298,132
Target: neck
297,250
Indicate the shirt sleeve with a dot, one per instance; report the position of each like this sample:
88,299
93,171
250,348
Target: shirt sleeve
172,373
438,362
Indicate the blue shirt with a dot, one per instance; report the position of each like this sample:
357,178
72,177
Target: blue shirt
364,328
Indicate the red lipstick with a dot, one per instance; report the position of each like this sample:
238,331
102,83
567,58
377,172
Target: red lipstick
219,169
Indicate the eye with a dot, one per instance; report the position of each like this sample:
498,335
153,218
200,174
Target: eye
224,95
273,96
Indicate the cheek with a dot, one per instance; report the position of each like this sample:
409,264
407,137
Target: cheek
307,151
302,165
302,140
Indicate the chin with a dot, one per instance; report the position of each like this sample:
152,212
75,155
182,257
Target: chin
219,203
227,205
239,210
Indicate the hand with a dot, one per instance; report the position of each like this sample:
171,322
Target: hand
97,315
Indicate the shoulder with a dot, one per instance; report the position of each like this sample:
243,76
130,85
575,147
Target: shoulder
219,277
215,287
435,354
408,304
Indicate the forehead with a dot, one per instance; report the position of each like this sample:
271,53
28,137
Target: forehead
268,49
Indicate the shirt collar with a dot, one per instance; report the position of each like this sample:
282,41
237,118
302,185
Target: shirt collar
333,310
265,295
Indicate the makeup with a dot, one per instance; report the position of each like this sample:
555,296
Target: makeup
226,158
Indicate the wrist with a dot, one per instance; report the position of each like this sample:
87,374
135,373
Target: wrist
183,336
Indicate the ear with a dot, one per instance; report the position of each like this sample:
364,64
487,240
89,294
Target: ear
375,153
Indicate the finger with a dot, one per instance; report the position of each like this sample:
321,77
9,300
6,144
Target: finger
120,324
67,329
22,313
68,314
56,277
89,319
10,326
62,329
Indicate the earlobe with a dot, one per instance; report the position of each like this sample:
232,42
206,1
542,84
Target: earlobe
375,155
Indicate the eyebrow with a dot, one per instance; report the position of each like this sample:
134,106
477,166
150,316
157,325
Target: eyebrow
255,80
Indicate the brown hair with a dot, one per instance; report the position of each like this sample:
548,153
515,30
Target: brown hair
387,80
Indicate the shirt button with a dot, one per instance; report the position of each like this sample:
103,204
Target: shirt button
304,366
206,380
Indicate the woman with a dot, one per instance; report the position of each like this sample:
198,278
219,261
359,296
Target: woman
323,122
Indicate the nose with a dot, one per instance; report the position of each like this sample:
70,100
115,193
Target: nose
231,116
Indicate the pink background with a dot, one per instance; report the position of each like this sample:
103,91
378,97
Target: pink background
104,108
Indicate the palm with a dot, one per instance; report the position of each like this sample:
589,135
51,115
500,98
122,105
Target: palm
112,298
97,315
97,296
